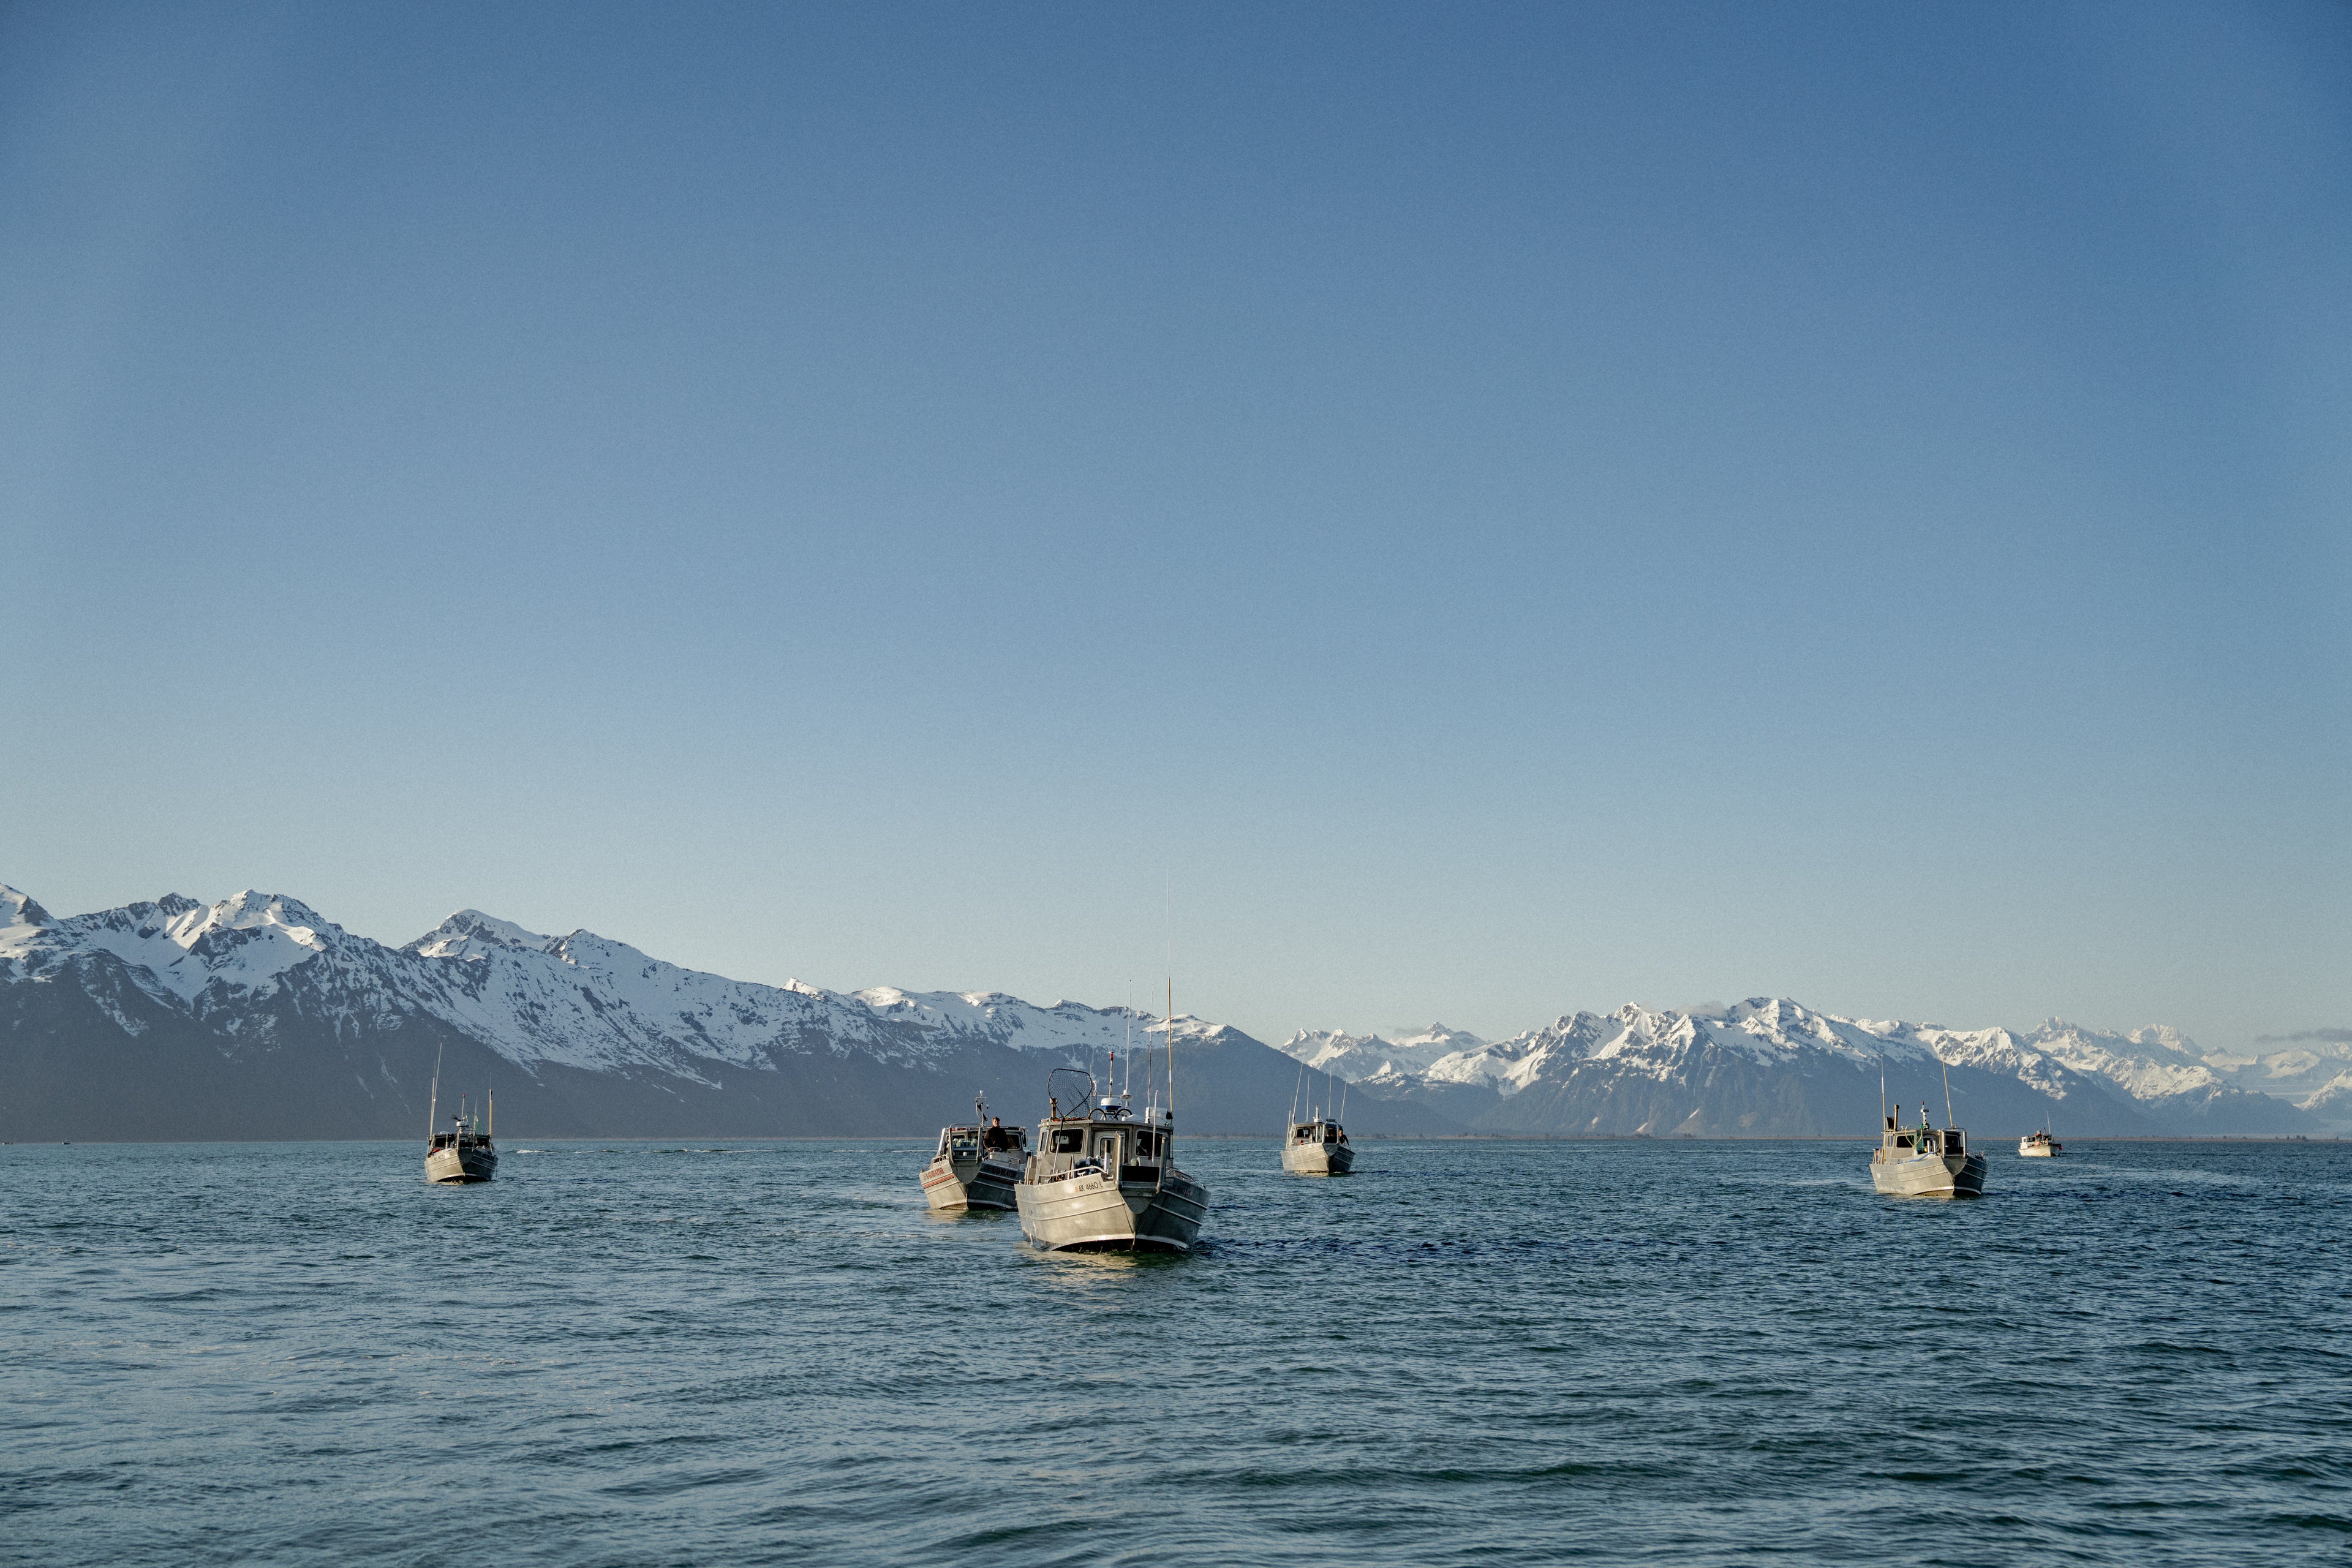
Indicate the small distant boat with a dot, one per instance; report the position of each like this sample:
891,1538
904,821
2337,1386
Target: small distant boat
1317,1148
1315,1145
462,1154
976,1167
2040,1146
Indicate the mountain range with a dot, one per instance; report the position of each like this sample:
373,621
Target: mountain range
1769,1065
256,1018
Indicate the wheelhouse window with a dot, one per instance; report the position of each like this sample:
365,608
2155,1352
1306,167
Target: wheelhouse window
1069,1140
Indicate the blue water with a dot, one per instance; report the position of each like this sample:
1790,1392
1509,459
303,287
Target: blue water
1467,1352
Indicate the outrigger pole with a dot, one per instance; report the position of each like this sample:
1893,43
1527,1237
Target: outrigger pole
1172,1047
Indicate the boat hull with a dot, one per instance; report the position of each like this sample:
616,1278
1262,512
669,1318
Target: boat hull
1931,1177
1089,1212
1319,1159
2037,1151
454,1167
955,1188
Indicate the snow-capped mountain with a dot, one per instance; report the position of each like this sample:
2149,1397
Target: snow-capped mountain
1356,1058
2331,1102
1771,1064
262,991
257,1016
2313,1068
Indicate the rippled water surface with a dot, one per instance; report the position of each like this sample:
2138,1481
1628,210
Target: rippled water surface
1466,1352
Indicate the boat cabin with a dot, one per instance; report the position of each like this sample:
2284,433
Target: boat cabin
1326,1133
992,1141
1899,1143
464,1134
1103,1134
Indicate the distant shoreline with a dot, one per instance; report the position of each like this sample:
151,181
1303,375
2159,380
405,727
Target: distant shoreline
708,1139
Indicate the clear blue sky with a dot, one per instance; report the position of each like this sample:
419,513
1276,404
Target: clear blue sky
1512,509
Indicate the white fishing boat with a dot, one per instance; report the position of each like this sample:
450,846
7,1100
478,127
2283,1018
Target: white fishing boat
2040,1146
1103,1177
462,1154
1924,1162
976,1167
1318,1147
1316,1144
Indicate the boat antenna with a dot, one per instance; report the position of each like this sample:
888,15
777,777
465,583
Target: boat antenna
1171,999
1343,1100
1881,1085
433,1106
1294,1097
1947,1087
1172,1046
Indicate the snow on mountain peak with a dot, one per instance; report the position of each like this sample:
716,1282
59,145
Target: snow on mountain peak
589,1002
1358,1058
27,923
182,948
470,934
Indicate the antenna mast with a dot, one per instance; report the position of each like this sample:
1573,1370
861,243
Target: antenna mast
1172,1047
1947,1087
1171,999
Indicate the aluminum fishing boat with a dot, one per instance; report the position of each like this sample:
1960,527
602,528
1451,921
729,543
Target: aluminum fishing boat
976,1167
2040,1146
1103,1178
463,1153
1318,1147
1926,1161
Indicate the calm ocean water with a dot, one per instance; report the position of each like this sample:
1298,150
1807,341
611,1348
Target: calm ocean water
1468,1353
